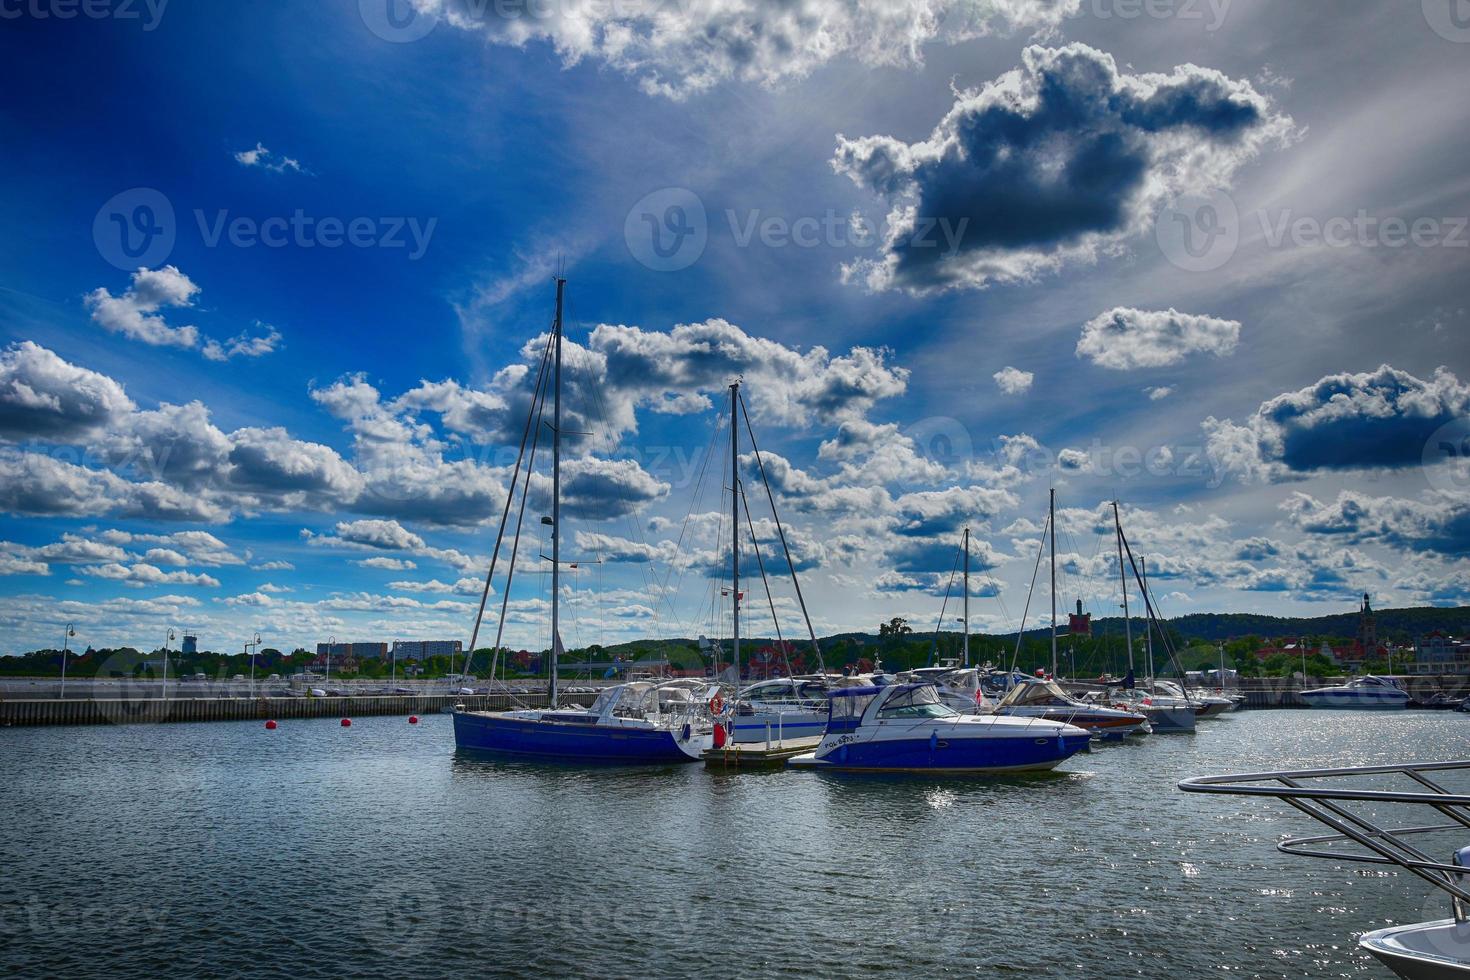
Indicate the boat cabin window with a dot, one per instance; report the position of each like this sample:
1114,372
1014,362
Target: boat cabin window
607,696
1032,693
845,711
920,702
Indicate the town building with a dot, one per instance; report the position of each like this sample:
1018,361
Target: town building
424,649
1439,653
191,644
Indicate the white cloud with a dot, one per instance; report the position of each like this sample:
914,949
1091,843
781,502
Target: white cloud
43,396
259,156
1159,393
144,574
677,49
1013,381
244,345
1126,339
134,313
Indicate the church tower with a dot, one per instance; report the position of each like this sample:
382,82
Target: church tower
1367,629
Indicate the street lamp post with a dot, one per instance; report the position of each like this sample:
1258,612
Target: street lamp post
167,639
254,649
65,642
331,642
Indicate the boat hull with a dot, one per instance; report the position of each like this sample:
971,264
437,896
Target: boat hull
1423,951
504,734
1104,724
1355,700
954,755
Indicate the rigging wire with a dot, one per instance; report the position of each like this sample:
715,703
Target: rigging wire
780,530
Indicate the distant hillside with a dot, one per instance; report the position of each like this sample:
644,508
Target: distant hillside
1397,624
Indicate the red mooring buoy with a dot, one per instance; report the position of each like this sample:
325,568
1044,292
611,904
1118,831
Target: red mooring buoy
346,722
270,726
413,719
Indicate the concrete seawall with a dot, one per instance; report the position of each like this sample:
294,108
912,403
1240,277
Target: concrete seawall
132,711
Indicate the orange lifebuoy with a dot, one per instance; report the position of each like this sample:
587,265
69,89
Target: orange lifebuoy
716,705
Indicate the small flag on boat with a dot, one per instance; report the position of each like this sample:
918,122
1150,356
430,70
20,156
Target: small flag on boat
556,646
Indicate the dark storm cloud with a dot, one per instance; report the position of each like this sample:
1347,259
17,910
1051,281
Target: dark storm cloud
1056,159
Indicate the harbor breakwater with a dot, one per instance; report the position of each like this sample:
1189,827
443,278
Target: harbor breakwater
129,711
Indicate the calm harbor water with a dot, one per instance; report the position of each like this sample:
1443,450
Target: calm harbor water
318,851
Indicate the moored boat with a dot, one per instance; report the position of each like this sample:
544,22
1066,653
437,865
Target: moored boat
1368,692
1034,698
907,728
638,723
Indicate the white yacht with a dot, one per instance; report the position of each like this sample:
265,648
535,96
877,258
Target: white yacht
1369,692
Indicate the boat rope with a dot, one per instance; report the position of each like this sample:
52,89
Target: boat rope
1148,606
505,513
539,408
781,532
770,600
934,652
1021,630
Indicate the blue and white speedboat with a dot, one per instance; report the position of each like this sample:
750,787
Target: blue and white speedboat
787,707
907,728
1361,692
639,723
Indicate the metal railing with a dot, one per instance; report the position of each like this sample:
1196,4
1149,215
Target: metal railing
1326,804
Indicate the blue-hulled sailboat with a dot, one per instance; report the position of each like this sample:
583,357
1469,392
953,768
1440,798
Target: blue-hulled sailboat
638,723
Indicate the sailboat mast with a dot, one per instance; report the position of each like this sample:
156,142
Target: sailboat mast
966,647
556,499
1052,520
735,531
1149,641
1123,579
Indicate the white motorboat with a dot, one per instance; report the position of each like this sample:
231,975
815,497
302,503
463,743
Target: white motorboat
1369,692
1433,950
1034,698
907,728
1205,705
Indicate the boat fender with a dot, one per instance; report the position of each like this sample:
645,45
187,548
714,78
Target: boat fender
716,705
684,735
719,740
933,741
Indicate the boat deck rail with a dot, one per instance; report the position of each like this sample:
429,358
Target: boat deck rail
1330,805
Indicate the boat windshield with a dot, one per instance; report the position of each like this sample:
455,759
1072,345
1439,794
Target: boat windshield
1033,693
918,702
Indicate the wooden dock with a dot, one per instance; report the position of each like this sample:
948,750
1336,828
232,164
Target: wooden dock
759,755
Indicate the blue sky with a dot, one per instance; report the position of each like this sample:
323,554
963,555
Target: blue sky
1208,259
